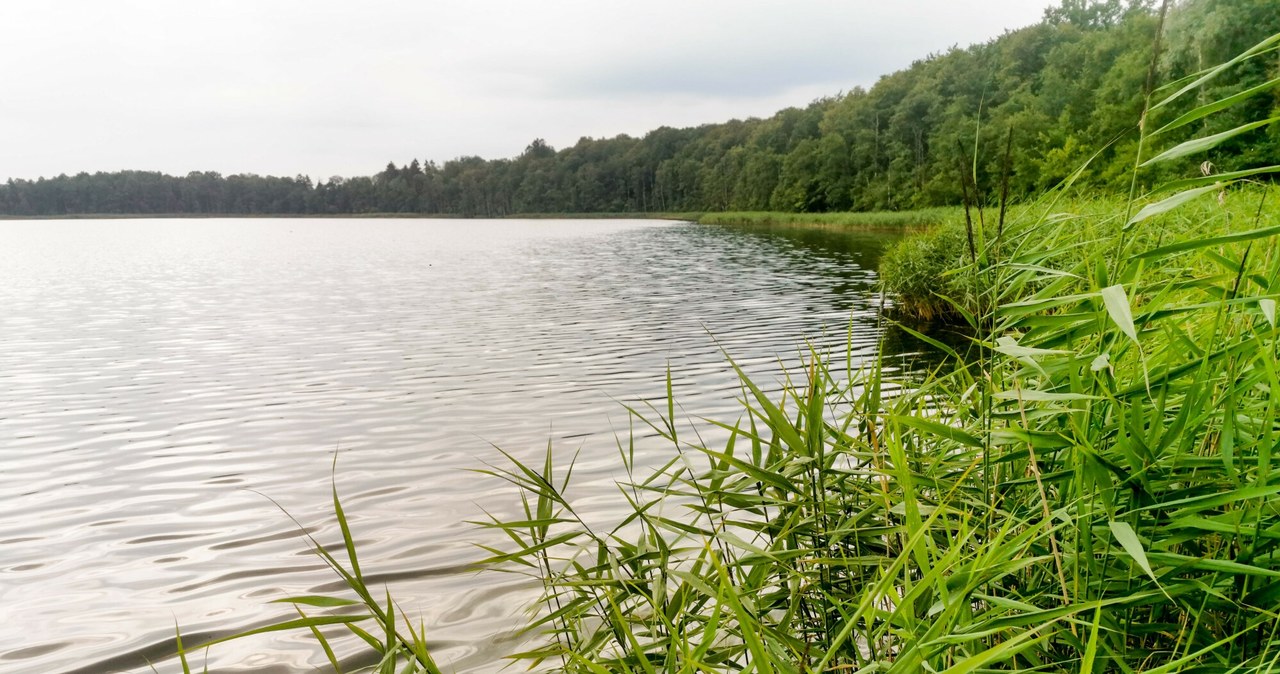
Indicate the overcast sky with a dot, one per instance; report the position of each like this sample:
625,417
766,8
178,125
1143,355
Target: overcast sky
340,87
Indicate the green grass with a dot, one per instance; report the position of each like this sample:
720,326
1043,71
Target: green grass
929,274
1094,488
373,616
878,219
659,215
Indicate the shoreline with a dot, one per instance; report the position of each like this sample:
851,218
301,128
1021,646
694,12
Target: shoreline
355,216
910,219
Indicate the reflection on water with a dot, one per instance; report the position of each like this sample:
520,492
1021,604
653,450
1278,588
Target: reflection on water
158,378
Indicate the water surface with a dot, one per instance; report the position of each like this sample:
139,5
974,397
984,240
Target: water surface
159,379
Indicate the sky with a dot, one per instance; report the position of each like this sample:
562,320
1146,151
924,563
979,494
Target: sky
336,87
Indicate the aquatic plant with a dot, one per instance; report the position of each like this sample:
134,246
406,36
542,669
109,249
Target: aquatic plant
400,647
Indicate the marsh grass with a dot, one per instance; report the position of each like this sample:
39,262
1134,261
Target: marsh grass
930,275
1094,489
689,216
914,219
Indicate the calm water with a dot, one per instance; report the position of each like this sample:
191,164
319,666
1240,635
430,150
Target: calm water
159,379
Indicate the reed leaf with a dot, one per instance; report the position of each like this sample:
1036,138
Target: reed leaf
1204,143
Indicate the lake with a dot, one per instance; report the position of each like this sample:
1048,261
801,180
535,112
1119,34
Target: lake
160,379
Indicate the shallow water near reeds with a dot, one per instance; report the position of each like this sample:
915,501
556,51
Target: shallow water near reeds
159,379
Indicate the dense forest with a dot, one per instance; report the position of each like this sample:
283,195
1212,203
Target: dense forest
1061,90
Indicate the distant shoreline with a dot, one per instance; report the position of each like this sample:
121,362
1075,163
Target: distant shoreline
412,216
212,216
909,219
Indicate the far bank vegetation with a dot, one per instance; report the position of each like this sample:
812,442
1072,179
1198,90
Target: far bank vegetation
1068,87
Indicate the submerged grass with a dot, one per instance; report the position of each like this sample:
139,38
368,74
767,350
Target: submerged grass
1096,490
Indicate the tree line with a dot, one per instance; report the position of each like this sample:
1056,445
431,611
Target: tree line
1062,91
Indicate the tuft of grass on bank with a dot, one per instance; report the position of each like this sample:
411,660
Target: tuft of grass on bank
929,274
875,219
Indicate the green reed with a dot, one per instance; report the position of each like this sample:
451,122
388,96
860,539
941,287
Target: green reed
370,614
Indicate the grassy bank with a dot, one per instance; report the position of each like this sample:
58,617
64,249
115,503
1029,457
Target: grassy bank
930,274
877,219
692,217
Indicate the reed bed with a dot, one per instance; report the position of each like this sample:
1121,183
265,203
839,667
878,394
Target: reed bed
930,277
1093,488
871,220
610,215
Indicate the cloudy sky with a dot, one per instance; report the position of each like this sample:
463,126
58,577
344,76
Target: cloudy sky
336,87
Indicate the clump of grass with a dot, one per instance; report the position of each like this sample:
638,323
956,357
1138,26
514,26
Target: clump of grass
920,273
930,276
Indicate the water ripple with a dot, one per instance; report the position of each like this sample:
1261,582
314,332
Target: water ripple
158,377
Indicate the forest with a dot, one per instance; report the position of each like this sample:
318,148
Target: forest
1054,92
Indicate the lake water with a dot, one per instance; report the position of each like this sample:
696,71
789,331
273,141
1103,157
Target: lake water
159,379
